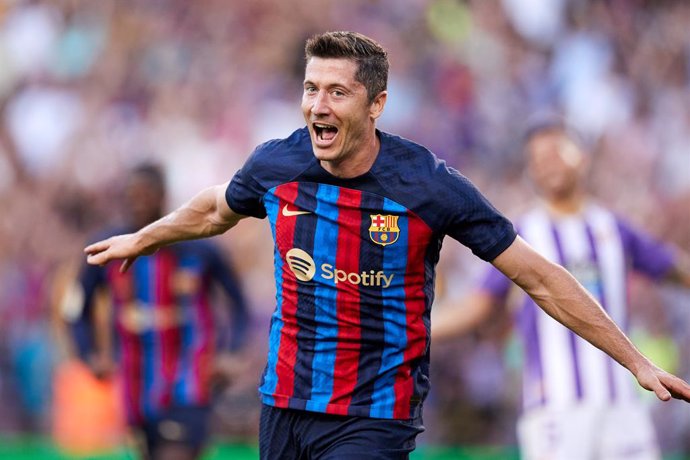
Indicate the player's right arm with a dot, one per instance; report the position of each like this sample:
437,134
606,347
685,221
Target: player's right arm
205,215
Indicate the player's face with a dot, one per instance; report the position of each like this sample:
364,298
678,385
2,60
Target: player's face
556,164
144,201
339,115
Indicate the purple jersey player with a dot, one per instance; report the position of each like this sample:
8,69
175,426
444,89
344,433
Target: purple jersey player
358,216
577,402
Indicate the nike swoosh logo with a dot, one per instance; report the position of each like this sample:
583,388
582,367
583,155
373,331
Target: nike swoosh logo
289,213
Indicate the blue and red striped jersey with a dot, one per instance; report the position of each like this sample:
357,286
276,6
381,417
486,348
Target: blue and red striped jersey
164,322
354,270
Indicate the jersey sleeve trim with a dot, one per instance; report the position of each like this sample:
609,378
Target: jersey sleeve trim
499,246
239,208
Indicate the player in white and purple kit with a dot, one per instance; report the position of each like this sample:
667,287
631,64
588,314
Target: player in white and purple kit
578,403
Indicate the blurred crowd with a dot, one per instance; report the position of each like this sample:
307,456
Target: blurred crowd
90,89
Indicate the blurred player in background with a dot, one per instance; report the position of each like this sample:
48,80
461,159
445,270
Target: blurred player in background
357,217
578,404
165,329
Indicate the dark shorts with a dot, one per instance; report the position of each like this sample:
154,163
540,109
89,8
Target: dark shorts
288,434
178,425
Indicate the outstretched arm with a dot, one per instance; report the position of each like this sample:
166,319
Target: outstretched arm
207,214
564,299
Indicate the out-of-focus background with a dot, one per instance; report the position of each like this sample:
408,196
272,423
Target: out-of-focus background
89,89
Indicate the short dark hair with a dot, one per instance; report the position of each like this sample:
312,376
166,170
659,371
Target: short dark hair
152,173
371,58
545,123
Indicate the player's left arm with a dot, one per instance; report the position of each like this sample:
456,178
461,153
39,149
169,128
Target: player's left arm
230,362
222,273
558,293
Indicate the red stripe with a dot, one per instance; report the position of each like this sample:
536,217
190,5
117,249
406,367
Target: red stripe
287,350
131,368
203,355
347,302
166,307
419,236
122,291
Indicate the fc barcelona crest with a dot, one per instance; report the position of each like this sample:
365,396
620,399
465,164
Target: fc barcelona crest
384,229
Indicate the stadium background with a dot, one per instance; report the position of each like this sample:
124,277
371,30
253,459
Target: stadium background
88,89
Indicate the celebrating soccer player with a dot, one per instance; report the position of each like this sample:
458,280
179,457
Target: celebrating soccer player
357,217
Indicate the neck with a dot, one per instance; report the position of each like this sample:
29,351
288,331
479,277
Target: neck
358,163
143,221
571,204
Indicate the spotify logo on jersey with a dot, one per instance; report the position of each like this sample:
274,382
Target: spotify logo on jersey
303,267
301,264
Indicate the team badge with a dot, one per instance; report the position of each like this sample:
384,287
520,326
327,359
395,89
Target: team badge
384,229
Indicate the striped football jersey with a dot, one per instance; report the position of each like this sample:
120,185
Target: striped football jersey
164,324
354,270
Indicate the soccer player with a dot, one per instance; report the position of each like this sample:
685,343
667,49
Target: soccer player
165,328
577,402
357,217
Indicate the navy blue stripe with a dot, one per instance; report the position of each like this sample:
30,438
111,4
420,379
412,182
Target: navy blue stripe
144,276
305,230
371,314
325,252
395,314
182,393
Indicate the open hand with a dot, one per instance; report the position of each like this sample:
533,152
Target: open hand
125,247
663,384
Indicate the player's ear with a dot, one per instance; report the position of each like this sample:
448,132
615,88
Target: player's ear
376,106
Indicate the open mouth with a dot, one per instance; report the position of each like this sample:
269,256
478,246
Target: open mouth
325,132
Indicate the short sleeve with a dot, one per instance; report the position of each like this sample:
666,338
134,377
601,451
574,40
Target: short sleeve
469,217
245,193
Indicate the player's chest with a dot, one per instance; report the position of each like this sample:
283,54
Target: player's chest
345,227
